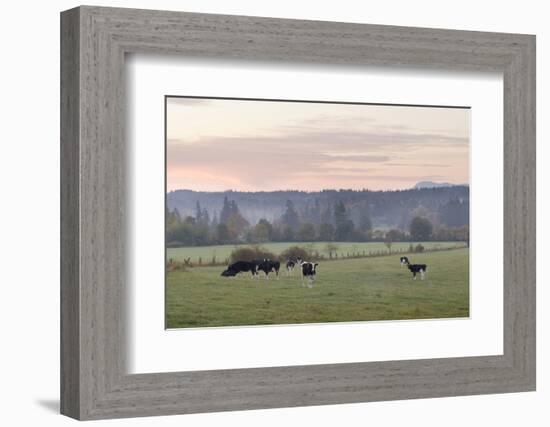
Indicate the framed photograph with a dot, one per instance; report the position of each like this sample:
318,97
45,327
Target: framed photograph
262,213
275,189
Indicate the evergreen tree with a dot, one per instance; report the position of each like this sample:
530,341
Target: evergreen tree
326,216
198,212
365,223
316,213
290,216
214,223
344,225
226,211
205,217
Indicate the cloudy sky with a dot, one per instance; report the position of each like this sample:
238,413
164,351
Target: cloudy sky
216,145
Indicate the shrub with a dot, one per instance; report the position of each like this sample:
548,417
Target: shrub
249,253
419,248
294,252
173,265
395,235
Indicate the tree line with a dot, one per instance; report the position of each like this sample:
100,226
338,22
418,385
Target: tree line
336,222
448,206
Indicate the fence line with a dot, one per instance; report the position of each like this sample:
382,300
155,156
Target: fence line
173,264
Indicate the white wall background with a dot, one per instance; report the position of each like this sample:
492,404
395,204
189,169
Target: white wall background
29,236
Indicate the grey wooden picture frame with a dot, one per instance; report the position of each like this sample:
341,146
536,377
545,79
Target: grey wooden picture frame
94,380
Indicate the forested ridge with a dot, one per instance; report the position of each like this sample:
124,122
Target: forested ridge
201,218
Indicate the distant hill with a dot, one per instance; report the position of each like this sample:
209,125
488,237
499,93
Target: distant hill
431,184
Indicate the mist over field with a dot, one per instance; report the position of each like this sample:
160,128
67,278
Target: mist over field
447,205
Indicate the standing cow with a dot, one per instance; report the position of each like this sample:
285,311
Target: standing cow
309,270
268,266
414,268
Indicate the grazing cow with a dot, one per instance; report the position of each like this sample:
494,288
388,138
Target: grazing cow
414,268
240,267
308,271
268,266
291,263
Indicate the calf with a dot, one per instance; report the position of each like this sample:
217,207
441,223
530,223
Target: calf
308,271
240,267
268,266
414,268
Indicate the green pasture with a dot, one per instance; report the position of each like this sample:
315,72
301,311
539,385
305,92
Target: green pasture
345,290
222,252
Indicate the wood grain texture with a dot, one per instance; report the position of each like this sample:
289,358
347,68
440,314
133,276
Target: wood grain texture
95,40
70,264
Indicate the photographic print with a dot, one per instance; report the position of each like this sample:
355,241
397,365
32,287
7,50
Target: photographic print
298,211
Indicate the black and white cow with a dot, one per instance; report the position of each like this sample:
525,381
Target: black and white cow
268,266
291,263
257,263
240,267
308,272
414,268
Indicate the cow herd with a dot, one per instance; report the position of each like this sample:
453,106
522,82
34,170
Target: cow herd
268,266
308,269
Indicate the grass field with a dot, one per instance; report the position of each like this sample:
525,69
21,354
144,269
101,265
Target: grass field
377,288
221,252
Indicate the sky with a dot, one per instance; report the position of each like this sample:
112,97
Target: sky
249,145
